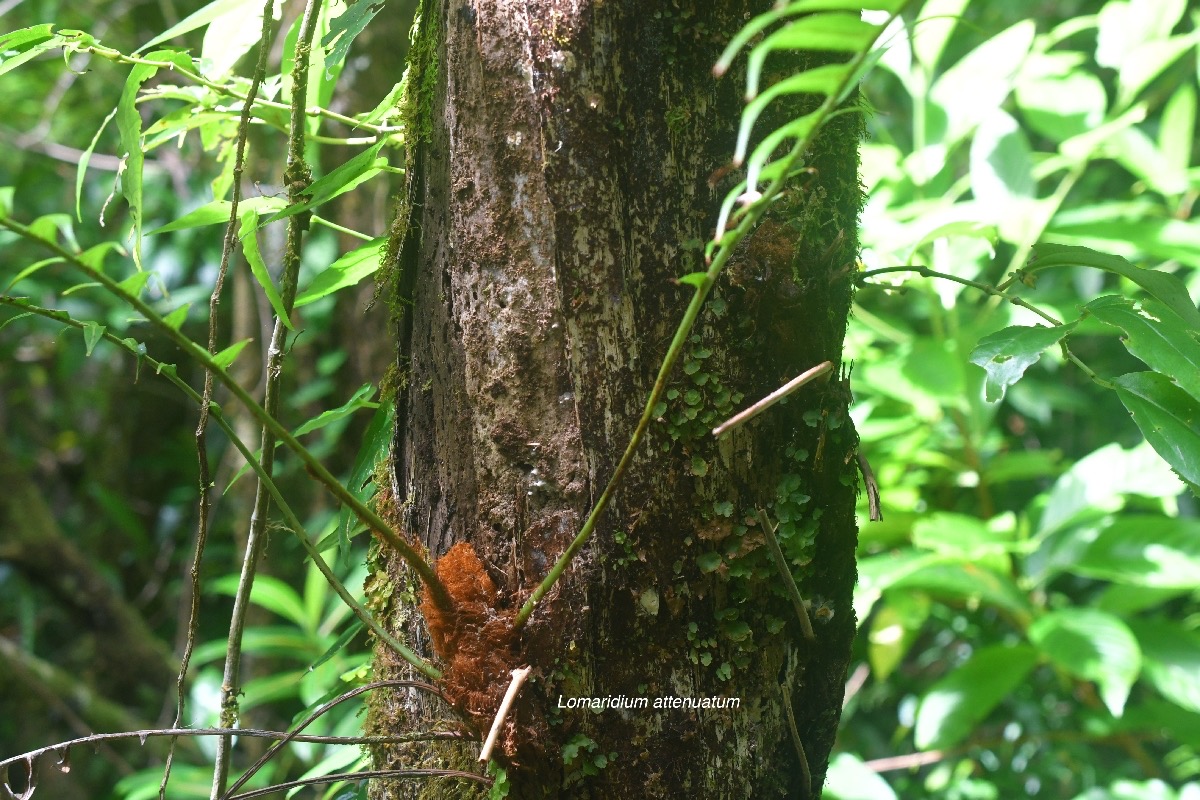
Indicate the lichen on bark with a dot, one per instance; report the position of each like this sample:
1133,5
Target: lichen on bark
553,200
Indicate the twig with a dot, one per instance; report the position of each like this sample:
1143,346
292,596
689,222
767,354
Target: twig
59,748
201,356
786,573
273,749
201,434
514,686
298,179
871,484
290,519
805,774
366,775
773,398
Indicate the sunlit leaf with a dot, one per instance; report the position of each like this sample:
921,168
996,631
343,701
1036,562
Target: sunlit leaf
1171,659
217,212
361,399
1156,335
348,270
952,708
1168,417
1157,552
270,593
1094,646
347,25
227,356
248,234
1007,353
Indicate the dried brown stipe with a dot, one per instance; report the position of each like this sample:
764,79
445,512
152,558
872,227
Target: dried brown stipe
475,639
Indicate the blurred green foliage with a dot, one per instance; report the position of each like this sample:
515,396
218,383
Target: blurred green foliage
1028,606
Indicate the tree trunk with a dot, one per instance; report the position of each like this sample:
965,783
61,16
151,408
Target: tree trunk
560,184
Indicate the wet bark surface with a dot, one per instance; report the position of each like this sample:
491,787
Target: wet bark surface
560,187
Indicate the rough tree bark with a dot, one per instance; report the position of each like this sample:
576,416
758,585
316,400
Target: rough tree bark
559,185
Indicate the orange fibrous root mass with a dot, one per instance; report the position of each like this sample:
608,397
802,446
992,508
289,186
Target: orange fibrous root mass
475,637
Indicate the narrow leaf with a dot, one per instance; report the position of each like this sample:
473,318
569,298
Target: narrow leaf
361,399
229,354
346,26
197,20
248,233
348,270
217,212
84,160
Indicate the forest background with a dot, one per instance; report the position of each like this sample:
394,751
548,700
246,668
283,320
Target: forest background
1027,605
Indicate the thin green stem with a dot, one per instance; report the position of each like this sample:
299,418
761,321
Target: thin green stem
341,229
290,519
997,292
754,206
314,467
118,57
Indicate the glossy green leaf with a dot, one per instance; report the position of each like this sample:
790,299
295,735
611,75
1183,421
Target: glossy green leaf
952,708
894,627
270,593
227,356
708,562
361,399
196,20
1158,552
377,442
345,177
217,212
1171,660
176,318
32,269
93,332
129,124
1156,335
28,44
849,778
1094,646
248,235
1007,353
347,25
348,270
830,31
1168,417
823,80
1162,286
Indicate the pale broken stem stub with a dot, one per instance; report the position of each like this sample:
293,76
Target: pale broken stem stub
773,398
514,686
